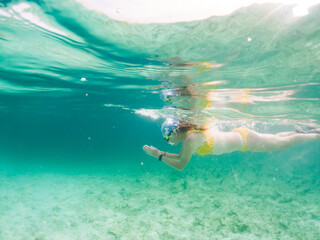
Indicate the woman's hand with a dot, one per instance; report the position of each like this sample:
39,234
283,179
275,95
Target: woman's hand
152,151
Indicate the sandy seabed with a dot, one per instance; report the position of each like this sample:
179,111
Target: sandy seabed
217,204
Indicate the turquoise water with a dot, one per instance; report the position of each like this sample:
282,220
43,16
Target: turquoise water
80,94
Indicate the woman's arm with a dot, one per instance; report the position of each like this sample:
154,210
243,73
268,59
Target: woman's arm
177,161
173,156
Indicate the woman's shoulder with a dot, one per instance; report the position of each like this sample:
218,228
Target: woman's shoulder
195,138
195,134
194,131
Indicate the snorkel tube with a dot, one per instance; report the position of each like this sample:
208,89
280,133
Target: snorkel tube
168,127
167,94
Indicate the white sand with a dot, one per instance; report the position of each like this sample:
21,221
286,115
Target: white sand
211,204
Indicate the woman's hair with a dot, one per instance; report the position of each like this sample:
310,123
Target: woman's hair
185,127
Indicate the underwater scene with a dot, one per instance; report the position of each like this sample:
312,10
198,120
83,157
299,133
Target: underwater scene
119,123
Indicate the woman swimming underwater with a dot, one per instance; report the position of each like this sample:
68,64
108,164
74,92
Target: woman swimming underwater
208,140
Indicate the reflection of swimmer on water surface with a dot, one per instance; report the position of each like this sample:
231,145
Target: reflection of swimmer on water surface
184,93
188,95
209,140
203,96
207,95
183,98
178,62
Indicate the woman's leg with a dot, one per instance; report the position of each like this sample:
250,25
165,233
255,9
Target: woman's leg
258,142
285,134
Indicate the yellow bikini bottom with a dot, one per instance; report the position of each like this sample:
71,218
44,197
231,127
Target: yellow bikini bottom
244,134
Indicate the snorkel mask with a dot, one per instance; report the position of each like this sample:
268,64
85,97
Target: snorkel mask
167,95
168,128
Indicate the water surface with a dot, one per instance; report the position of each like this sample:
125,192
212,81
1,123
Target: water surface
81,93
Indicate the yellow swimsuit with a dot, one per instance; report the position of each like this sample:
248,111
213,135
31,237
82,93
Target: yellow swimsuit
207,147
244,134
205,104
